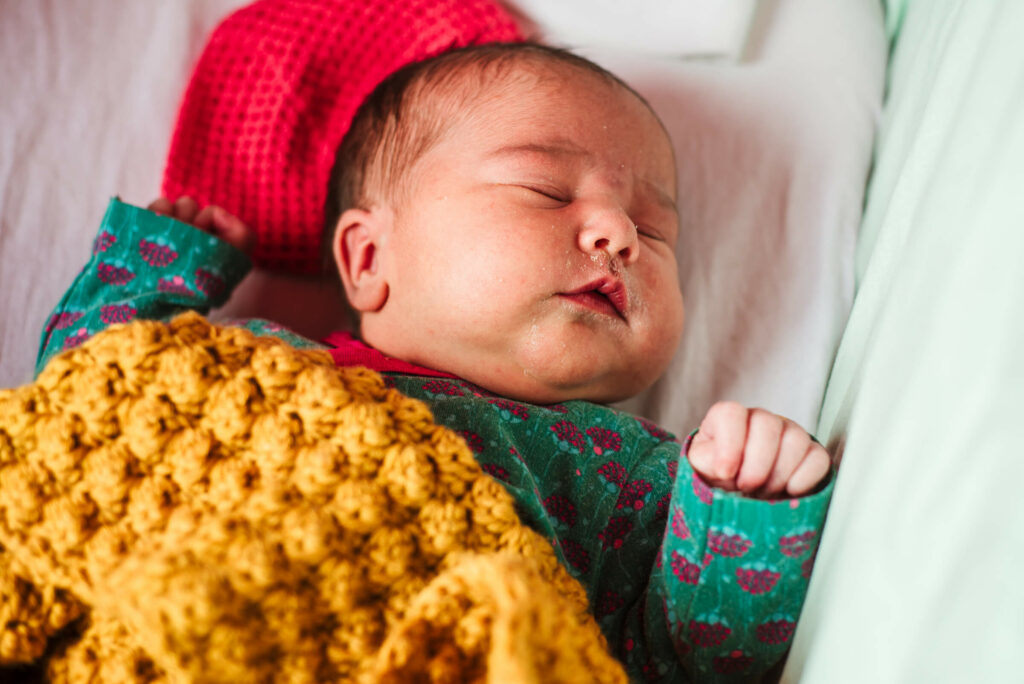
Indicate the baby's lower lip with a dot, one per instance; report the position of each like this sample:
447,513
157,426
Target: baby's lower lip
594,301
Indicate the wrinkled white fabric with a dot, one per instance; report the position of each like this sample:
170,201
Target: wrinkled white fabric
918,578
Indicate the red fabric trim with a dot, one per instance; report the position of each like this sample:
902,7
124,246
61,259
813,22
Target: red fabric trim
348,351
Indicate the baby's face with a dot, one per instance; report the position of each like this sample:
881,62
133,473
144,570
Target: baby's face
534,252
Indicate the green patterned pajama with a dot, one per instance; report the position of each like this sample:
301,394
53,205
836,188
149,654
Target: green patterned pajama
688,583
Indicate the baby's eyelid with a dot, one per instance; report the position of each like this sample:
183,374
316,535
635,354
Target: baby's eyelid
550,193
649,232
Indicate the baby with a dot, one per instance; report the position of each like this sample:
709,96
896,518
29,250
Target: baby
522,237
503,219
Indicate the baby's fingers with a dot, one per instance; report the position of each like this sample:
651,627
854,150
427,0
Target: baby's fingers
185,209
232,230
760,454
204,219
811,471
211,219
793,449
717,449
162,206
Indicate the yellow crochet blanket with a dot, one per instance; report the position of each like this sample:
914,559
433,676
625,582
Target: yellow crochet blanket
187,502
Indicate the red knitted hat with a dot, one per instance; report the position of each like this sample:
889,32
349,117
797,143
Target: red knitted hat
274,92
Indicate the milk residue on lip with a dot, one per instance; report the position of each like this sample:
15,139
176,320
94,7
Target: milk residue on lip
634,302
612,265
636,305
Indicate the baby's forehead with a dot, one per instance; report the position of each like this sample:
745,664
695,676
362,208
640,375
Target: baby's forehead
533,78
536,79
518,99
479,81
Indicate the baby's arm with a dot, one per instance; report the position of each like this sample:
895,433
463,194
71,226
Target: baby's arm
148,266
757,453
733,574
734,567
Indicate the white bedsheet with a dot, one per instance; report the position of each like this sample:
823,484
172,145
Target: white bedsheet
773,151
918,577
90,92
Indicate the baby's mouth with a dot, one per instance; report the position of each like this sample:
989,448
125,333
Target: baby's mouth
605,295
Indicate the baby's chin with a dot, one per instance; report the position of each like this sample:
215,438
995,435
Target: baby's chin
538,373
538,388
547,374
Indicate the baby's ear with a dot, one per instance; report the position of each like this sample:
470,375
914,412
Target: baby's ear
357,238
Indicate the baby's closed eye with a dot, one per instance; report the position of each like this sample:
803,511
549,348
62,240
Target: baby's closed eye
650,232
547,195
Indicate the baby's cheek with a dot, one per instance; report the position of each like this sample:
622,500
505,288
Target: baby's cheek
533,347
659,318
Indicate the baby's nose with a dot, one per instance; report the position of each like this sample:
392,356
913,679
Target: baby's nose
610,231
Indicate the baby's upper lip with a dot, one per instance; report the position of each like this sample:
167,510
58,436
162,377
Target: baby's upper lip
612,288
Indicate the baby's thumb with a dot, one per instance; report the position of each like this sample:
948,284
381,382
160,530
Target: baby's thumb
702,457
233,230
716,451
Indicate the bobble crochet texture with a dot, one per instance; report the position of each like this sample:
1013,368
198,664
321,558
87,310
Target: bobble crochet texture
189,502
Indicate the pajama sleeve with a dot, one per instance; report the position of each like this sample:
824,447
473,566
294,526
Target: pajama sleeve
142,266
729,581
687,583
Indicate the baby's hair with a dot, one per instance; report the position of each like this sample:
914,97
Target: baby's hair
411,109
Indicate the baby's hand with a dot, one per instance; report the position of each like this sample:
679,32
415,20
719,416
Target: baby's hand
756,452
212,219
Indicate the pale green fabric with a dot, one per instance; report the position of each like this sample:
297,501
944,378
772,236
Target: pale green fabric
919,577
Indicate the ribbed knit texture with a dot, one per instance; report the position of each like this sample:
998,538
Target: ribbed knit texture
275,91
219,507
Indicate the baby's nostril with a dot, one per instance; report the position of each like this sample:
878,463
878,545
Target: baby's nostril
602,243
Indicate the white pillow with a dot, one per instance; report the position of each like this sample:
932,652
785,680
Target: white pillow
672,28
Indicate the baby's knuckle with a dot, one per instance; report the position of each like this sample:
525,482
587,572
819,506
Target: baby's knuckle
767,420
726,464
728,409
796,436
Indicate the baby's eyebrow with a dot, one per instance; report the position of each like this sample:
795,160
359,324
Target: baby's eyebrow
555,148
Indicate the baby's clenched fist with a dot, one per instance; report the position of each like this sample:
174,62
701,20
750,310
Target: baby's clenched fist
756,452
210,219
